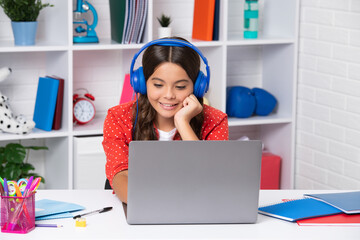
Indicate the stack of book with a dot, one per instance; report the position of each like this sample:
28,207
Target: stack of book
128,19
49,103
206,20
330,209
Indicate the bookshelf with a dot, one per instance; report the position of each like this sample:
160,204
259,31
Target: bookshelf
269,62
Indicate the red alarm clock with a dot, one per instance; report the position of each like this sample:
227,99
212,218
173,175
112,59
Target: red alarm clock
83,107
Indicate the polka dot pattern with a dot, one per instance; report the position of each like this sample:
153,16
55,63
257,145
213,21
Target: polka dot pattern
118,134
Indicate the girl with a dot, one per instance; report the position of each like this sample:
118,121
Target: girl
167,108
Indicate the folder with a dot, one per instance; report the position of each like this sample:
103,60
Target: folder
348,202
203,21
46,209
298,209
45,103
127,91
341,219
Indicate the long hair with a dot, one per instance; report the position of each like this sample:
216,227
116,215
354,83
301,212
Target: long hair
153,56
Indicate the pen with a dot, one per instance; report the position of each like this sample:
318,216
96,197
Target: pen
48,225
106,209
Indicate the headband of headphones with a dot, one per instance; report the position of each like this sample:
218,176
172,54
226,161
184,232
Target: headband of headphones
174,43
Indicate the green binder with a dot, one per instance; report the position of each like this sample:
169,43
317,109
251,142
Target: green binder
117,19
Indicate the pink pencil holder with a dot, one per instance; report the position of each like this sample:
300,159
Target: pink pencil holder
18,214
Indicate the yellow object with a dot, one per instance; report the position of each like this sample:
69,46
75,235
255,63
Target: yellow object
206,101
80,222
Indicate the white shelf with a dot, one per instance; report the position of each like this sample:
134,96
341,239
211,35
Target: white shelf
259,120
269,62
36,133
8,46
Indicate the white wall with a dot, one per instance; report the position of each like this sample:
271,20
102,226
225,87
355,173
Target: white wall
328,114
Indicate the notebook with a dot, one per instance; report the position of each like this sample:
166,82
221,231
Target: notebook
348,202
187,182
298,209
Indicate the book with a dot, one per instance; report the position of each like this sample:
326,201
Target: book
348,202
59,103
45,103
341,219
117,19
216,21
298,209
50,209
127,91
203,21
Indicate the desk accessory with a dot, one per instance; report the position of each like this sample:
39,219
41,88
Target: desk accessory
12,218
348,202
298,209
80,222
106,209
83,31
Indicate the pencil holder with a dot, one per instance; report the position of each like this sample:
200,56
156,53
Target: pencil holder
18,214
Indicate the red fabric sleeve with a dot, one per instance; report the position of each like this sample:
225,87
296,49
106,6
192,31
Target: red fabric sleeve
117,135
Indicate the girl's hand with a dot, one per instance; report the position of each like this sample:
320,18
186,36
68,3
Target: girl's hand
191,108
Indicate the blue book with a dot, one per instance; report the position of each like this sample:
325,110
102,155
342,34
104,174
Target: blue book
45,103
299,209
348,202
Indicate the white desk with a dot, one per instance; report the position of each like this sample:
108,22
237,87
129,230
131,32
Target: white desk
112,225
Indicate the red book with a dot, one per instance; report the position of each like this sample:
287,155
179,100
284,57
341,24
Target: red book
127,91
59,103
341,219
203,22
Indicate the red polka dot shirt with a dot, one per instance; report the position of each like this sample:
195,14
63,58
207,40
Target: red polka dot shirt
118,134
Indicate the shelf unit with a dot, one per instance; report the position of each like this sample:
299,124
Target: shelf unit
269,62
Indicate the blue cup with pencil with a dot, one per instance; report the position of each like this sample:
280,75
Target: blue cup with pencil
18,205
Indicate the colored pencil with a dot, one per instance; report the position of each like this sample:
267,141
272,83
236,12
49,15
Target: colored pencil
48,225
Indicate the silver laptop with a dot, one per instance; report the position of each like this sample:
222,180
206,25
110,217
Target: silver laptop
193,182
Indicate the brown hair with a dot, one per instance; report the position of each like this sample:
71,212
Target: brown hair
153,56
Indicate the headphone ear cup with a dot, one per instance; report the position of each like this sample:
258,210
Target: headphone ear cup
137,81
201,85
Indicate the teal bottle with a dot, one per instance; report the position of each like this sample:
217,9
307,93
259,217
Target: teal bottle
251,18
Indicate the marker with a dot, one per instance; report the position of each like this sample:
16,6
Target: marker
6,190
28,186
106,209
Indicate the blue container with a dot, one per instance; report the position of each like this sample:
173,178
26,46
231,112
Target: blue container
24,33
240,102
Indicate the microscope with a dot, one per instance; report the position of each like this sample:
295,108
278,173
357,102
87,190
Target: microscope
83,31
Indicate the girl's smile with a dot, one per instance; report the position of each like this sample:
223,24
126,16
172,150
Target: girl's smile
167,88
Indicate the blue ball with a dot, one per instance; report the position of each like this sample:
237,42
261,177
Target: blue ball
265,102
240,102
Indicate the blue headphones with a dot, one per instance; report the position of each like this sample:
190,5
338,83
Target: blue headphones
137,79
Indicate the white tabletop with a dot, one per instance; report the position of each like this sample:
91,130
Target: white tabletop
112,225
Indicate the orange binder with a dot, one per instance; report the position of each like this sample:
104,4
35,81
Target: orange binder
203,22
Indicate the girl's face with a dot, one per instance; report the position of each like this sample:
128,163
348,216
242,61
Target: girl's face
167,88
